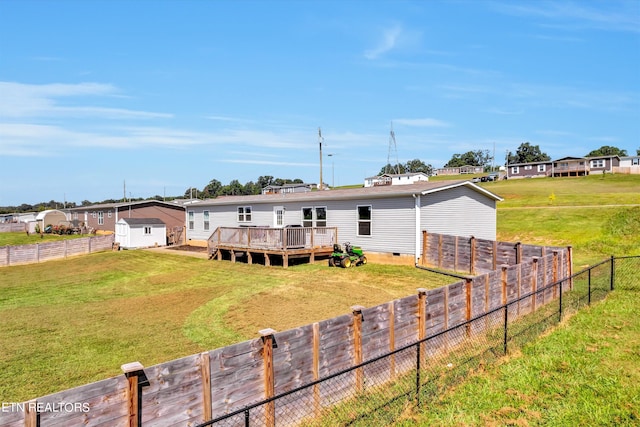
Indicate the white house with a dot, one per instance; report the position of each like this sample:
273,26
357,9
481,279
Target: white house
140,232
396,179
383,220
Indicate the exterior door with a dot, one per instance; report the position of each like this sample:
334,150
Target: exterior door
278,216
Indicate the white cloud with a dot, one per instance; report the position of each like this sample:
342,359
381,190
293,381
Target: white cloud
389,40
18,100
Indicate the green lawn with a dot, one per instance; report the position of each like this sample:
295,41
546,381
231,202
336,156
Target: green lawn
70,322
14,239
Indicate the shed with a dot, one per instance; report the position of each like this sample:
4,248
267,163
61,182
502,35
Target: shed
51,217
140,232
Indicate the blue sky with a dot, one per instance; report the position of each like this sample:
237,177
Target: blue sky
167,95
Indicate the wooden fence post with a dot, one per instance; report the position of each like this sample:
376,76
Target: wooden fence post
392,339
89,244
468,300
134,372
569,267
554,274
534,282
495,255
205,372
422,322
316,369
504,284
518,249
424,246
269,380
31,415
472,256
357,345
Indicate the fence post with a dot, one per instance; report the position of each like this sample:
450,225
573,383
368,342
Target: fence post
468,301
613,272
392,339
268,343
31,414
134,372
205,372
503,279
90,240
424,247
316,369
554,273
37,252
422,318
506,322
472,258
560,310
534,282
589,286
518,249
357,345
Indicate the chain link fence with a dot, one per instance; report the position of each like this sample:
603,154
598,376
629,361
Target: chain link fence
381,390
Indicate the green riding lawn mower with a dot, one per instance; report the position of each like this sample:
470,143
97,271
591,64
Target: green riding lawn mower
351,256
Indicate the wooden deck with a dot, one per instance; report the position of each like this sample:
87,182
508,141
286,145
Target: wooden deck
266,245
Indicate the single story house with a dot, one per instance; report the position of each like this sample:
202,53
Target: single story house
288,188
628,165
396,179
386,221
566,166
104,216
460,170
134,233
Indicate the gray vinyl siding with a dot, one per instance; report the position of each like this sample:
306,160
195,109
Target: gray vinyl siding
459,212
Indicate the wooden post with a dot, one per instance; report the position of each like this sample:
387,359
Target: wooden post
422,322
317,406
424,247
534,282
205,372
357,345
569,272
392,339
269,381
136,377
472,256
249,258
468,282
554,274
504,284
519,285
31,415
518,249
495,255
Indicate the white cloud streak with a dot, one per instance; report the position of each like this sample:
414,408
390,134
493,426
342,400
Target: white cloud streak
389,40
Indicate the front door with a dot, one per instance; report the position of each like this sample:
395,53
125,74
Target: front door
278,216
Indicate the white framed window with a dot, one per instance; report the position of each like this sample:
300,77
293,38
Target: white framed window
100,218
109,214
244,213
147,229
94,214
528,167
515,170
75,215
542,168
364,220
635,161
205,215
314,217
599,163
191,222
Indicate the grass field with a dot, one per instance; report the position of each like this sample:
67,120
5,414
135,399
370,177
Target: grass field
66,323
13,239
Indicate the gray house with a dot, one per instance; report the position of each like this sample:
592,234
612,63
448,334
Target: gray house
386,221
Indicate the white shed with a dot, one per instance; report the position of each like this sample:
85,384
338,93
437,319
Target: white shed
51,217
140,232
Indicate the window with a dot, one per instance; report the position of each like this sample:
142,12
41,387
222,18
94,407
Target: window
314,217
528,167
75,215
206,219
364,220
635,161
244,214
597,163
191,223
515,170
147,230
109,214
542,168
93,214
100,218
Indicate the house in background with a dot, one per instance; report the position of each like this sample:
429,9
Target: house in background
460,170
566,166
103,217
386,221
396,179
628,165
288,188
132,233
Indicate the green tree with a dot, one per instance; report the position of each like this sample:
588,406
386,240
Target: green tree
527,153
389,168
470,158
212,189
607,150
417,165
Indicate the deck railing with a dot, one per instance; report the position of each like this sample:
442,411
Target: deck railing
268,238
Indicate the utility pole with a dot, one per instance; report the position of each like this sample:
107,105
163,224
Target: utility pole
320,143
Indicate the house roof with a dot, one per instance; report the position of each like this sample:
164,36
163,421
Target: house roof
142,221
118,205
391,175
387,191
